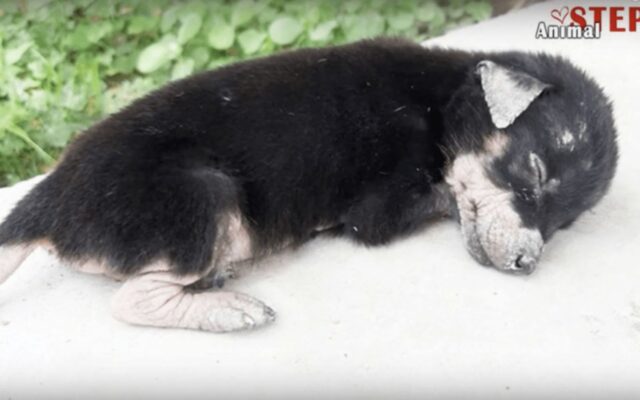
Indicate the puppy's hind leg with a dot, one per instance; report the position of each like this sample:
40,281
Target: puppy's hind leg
157,297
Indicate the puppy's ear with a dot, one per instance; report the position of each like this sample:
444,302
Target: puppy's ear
507,92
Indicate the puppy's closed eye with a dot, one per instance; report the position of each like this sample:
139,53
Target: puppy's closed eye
538,169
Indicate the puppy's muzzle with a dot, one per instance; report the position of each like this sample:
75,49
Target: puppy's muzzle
526,260
520,255
506,246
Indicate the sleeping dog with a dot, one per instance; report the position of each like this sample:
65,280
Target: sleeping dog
369,140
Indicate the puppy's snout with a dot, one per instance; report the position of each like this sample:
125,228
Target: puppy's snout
526,259
525,264
517,252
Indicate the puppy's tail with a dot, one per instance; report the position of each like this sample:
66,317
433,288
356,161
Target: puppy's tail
16,243
11,256
20,231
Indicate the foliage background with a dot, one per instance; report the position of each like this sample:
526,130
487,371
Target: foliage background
66,64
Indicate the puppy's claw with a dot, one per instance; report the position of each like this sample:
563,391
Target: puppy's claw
271,314
250,323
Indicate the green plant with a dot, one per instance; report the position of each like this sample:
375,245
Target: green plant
65,64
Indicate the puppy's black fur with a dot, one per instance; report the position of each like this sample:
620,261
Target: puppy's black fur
354,137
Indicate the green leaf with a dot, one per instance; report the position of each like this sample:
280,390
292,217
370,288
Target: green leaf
243,12
429,12
38,100
78,39
13,55
284,30
169,18
221,35
11,144
123,64
23,86
351,6
363,26
158,54
86,34
199,55
119,96
455,12
267,14
103,9
182,68
72,97
106,57
141,23
323,31
58,131
38,68
401,21
98,30
434,15
251,40
189,27
312,14
22,134
478,10
196,6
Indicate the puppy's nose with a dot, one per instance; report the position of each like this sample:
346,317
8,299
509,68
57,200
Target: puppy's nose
525,264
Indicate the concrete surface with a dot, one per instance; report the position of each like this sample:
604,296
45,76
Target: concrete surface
416,318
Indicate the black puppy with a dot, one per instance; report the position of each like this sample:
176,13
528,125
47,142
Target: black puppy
370,140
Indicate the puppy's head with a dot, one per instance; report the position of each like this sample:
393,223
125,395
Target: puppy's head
533,145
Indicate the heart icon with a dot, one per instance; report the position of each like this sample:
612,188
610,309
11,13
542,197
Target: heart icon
560,15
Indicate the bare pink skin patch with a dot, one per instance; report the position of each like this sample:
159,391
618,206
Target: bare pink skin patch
88,266
156,297
234,243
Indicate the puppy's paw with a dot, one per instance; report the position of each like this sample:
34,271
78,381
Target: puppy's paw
236,311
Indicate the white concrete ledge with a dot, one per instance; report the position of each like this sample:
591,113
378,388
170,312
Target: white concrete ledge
418,317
